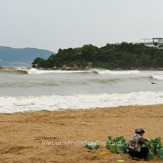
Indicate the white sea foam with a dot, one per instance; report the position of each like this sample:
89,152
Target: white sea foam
80,101
37,71
158,77
98,71
120,72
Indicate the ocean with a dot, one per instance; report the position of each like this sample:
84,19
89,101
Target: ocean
24,90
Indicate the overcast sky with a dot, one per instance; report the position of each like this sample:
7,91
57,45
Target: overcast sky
54,24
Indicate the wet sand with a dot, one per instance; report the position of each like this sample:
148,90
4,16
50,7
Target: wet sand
60,136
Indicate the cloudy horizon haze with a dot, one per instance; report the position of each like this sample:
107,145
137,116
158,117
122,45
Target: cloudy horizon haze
54,24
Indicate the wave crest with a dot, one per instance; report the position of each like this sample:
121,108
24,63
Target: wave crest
157,77
115,72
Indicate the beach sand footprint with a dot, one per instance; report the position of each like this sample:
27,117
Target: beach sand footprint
16,149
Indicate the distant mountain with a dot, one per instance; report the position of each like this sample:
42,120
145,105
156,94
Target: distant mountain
21,56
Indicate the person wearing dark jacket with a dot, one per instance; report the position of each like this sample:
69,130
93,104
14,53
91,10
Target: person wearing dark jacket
135,146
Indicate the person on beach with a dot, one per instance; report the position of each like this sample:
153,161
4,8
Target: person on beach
135,146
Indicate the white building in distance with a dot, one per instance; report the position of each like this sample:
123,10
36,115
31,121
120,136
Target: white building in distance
154,42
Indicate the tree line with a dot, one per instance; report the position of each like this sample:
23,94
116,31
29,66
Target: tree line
111,56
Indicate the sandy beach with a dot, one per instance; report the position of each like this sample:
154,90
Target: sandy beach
60,136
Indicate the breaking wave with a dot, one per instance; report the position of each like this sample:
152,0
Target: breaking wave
157,77
119,72
77,101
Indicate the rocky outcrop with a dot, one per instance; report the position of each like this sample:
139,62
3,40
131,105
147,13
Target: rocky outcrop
75,67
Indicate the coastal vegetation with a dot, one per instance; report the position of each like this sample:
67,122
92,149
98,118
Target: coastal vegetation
111,56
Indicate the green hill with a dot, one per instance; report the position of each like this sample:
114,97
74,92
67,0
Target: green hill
112,56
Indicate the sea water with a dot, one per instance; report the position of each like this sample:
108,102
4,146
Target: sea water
35,90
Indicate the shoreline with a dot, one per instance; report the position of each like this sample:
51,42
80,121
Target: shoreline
23,135
84,109
10,68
